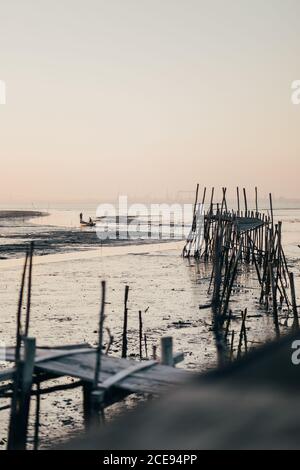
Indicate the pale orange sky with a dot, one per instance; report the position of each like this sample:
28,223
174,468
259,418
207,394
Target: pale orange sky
145,97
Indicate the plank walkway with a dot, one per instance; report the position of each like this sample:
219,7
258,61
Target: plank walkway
243,224
128,375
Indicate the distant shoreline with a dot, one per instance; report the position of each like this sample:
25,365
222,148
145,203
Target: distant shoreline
21,214
48,240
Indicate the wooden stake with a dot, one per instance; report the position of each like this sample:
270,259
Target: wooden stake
37,416
231,345
256,201
294,302
124,337
271,209
19,420
238,200
274,299
167,351
29,289
19,312
246,204
140,334
100,335
146,346
242,333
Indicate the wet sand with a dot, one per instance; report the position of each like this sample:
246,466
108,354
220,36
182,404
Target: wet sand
65,307
18,228
20,214
65,304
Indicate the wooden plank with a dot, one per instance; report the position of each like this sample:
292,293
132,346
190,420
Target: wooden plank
82,366
152,381
125,373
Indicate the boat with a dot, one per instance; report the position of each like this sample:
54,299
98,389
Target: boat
83,223
87,224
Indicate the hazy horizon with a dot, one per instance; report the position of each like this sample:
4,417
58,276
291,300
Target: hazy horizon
147,98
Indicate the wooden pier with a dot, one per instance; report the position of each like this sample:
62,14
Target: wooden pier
79,362
230,240
117,379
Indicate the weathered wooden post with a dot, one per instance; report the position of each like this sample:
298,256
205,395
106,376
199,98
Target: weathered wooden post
124,337
242,334
37,416
21,400
91,399
274,299
256,201
272,214
245,201
232,345
167,351
238,200
140,335
146,346
294,302
29,289
87,390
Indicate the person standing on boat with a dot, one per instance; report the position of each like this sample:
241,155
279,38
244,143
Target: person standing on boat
80,216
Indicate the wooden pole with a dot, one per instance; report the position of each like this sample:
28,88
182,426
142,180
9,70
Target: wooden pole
242,333
203,196
256,201
224,203
15,396
195,208
271,209
212,199
124,337
26,385
274,299
29,289
231,345
19,421
146,346
228,324
92,400
100,335
246,204
140,335
238,200
37,416
19,312
87,390
167,351
294,302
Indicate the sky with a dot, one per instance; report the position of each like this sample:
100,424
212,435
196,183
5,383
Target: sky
147,97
